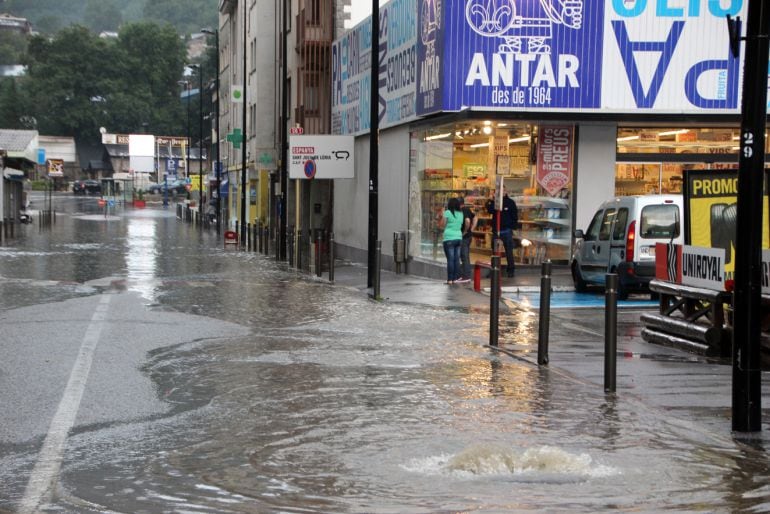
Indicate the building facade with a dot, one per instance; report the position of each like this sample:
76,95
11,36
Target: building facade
566,103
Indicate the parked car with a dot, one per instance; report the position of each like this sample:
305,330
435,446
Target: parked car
621,239
178,186
81,187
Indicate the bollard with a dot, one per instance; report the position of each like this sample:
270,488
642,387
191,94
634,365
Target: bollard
318,255
494,301
545,314
267,240
377,263
13,228
248,237
259,237
2,227
54,217
331,257
610,332
254,236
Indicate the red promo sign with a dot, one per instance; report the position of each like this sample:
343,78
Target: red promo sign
296,131
554,158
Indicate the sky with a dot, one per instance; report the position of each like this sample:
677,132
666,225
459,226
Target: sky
360,9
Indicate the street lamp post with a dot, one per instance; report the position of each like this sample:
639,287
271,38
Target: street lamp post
217,164
245,139
186,85
199,69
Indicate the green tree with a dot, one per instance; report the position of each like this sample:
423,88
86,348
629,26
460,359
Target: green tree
11,105
101,15
13,46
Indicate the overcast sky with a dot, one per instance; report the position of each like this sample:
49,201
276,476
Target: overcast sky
360,9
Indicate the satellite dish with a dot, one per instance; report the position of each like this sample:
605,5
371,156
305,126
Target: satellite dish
102,130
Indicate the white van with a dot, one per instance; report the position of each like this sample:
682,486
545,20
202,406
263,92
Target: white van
621,239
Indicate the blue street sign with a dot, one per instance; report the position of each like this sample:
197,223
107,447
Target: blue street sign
41,155
171,166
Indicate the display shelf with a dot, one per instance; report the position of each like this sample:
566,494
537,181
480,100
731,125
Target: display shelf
560,222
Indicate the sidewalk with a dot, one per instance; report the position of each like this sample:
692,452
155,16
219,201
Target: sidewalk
680,389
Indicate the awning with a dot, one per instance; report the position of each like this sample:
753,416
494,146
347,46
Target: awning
223,187
13,174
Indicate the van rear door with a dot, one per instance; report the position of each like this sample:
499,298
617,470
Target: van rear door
658,223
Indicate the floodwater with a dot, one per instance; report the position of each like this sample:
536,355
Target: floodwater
336,403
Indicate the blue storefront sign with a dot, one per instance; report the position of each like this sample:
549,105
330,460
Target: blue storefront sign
617,56
509,54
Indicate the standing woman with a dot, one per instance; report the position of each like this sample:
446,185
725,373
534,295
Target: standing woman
452,222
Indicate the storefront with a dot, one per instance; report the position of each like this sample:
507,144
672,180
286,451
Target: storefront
635,95
467,159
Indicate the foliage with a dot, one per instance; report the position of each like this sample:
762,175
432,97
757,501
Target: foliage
11,105
13,46
80,82
39,185
50,16
102,15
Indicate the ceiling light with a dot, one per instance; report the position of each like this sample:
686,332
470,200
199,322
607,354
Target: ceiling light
673,132
502,124
487,123
479,145
487,130
438,136
627,138
519,139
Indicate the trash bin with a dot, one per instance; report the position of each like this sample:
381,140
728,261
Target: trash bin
399,249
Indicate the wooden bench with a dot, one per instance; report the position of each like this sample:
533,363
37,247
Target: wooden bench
689,317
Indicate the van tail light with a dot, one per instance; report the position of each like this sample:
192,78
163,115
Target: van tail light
631,241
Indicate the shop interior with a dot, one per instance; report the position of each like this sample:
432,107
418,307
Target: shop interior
653,160
465,159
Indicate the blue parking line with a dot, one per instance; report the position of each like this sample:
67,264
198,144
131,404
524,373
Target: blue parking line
572,300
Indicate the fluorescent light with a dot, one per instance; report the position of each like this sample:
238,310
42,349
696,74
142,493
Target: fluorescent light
502,124
479,145
673,132
519,139
627,138
487,130
487,123
438,136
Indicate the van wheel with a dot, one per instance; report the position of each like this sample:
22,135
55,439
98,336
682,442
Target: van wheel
577,279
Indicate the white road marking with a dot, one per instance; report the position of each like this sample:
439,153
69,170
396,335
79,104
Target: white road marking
44,477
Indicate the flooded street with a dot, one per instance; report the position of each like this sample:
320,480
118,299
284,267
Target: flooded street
224,382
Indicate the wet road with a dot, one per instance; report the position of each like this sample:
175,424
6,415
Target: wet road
146,370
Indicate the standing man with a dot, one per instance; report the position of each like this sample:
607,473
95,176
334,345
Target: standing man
469,225
509,221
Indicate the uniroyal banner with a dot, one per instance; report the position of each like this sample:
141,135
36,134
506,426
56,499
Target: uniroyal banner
711,209
690,265
554,158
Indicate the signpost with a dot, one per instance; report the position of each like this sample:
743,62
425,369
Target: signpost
321,156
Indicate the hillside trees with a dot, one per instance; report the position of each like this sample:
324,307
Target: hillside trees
78,82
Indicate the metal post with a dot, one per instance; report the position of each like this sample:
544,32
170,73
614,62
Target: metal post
747,373
610,332
200,146
331,257
254,237
248,236
494,302
545,314
318,255
244,141
377,263
374,127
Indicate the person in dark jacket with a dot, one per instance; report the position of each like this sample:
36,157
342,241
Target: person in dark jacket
509,221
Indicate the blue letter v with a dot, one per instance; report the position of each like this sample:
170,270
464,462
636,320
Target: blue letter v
646,99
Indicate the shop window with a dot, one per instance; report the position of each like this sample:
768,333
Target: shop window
470,159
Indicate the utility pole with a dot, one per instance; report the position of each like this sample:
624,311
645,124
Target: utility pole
282,222
243,121
217,163
374,146
747,376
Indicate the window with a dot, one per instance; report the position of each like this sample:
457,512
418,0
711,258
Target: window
604,231
592,234
660,221
619,233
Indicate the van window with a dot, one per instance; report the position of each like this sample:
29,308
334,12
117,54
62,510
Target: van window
609,216
659,221
592,234
619,234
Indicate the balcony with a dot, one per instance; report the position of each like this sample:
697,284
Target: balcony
315,24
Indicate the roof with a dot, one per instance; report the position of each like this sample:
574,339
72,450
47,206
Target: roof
16,140
20,144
